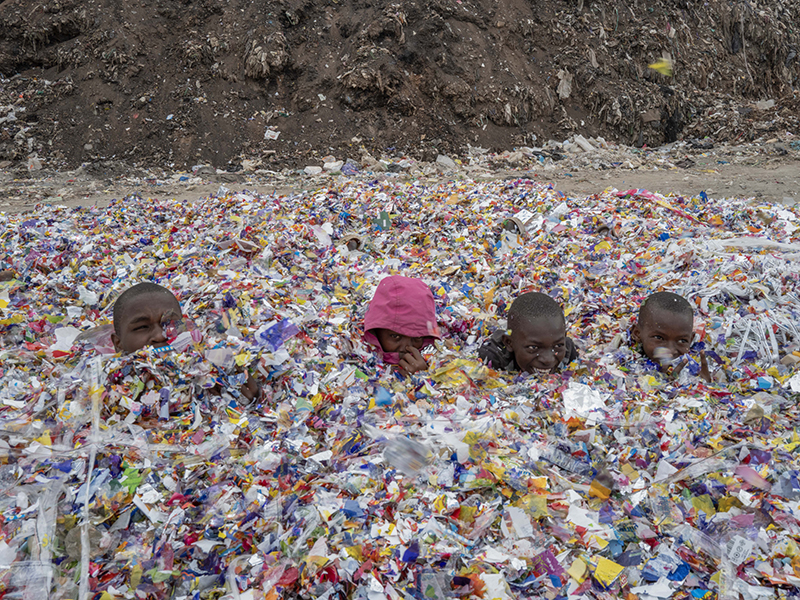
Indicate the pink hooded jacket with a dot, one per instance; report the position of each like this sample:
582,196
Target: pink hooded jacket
405,306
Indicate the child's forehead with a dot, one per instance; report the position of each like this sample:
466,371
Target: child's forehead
659,317
150,302
542,324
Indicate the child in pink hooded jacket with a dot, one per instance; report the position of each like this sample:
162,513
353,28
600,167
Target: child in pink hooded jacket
401,321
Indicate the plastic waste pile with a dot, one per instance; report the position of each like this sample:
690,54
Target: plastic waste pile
149,475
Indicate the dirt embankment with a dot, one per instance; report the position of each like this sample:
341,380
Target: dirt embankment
180,82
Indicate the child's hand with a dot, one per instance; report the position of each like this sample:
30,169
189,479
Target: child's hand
412,361
251,389
704,373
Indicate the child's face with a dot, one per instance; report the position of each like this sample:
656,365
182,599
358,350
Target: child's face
664,335
538,345
397,342
142,323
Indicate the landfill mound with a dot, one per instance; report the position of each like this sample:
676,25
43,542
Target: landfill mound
213,81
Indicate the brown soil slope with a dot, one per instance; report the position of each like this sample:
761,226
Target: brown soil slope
182,82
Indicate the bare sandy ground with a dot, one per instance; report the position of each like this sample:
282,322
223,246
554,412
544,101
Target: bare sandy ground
773,181
762,179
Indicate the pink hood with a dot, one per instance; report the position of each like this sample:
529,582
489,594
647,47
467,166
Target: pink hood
404,305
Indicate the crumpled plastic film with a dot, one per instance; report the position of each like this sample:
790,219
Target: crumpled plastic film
151,475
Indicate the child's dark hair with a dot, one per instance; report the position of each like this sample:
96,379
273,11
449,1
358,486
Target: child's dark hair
534,305
126,297
667,302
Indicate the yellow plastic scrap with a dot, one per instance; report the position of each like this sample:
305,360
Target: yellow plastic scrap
598,490
729,502
794,443
243,359
44,439
535,505
460,372
496,469
577,570
629,472
440,504
596,542
704,504
540,483
607,571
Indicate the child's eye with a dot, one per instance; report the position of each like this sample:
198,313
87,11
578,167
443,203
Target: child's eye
140,328
395,336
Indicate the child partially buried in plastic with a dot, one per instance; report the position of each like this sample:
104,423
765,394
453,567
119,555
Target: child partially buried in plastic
535,338
401,322
665,330
148,314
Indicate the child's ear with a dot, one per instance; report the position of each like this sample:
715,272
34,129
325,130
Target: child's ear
115,341
635,333
506,339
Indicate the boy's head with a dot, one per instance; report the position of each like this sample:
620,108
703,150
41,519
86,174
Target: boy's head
665,326
537,332
140,314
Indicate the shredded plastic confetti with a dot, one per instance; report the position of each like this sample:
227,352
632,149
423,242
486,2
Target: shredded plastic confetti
149,475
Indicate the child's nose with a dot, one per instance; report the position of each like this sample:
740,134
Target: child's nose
158,336
548,359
